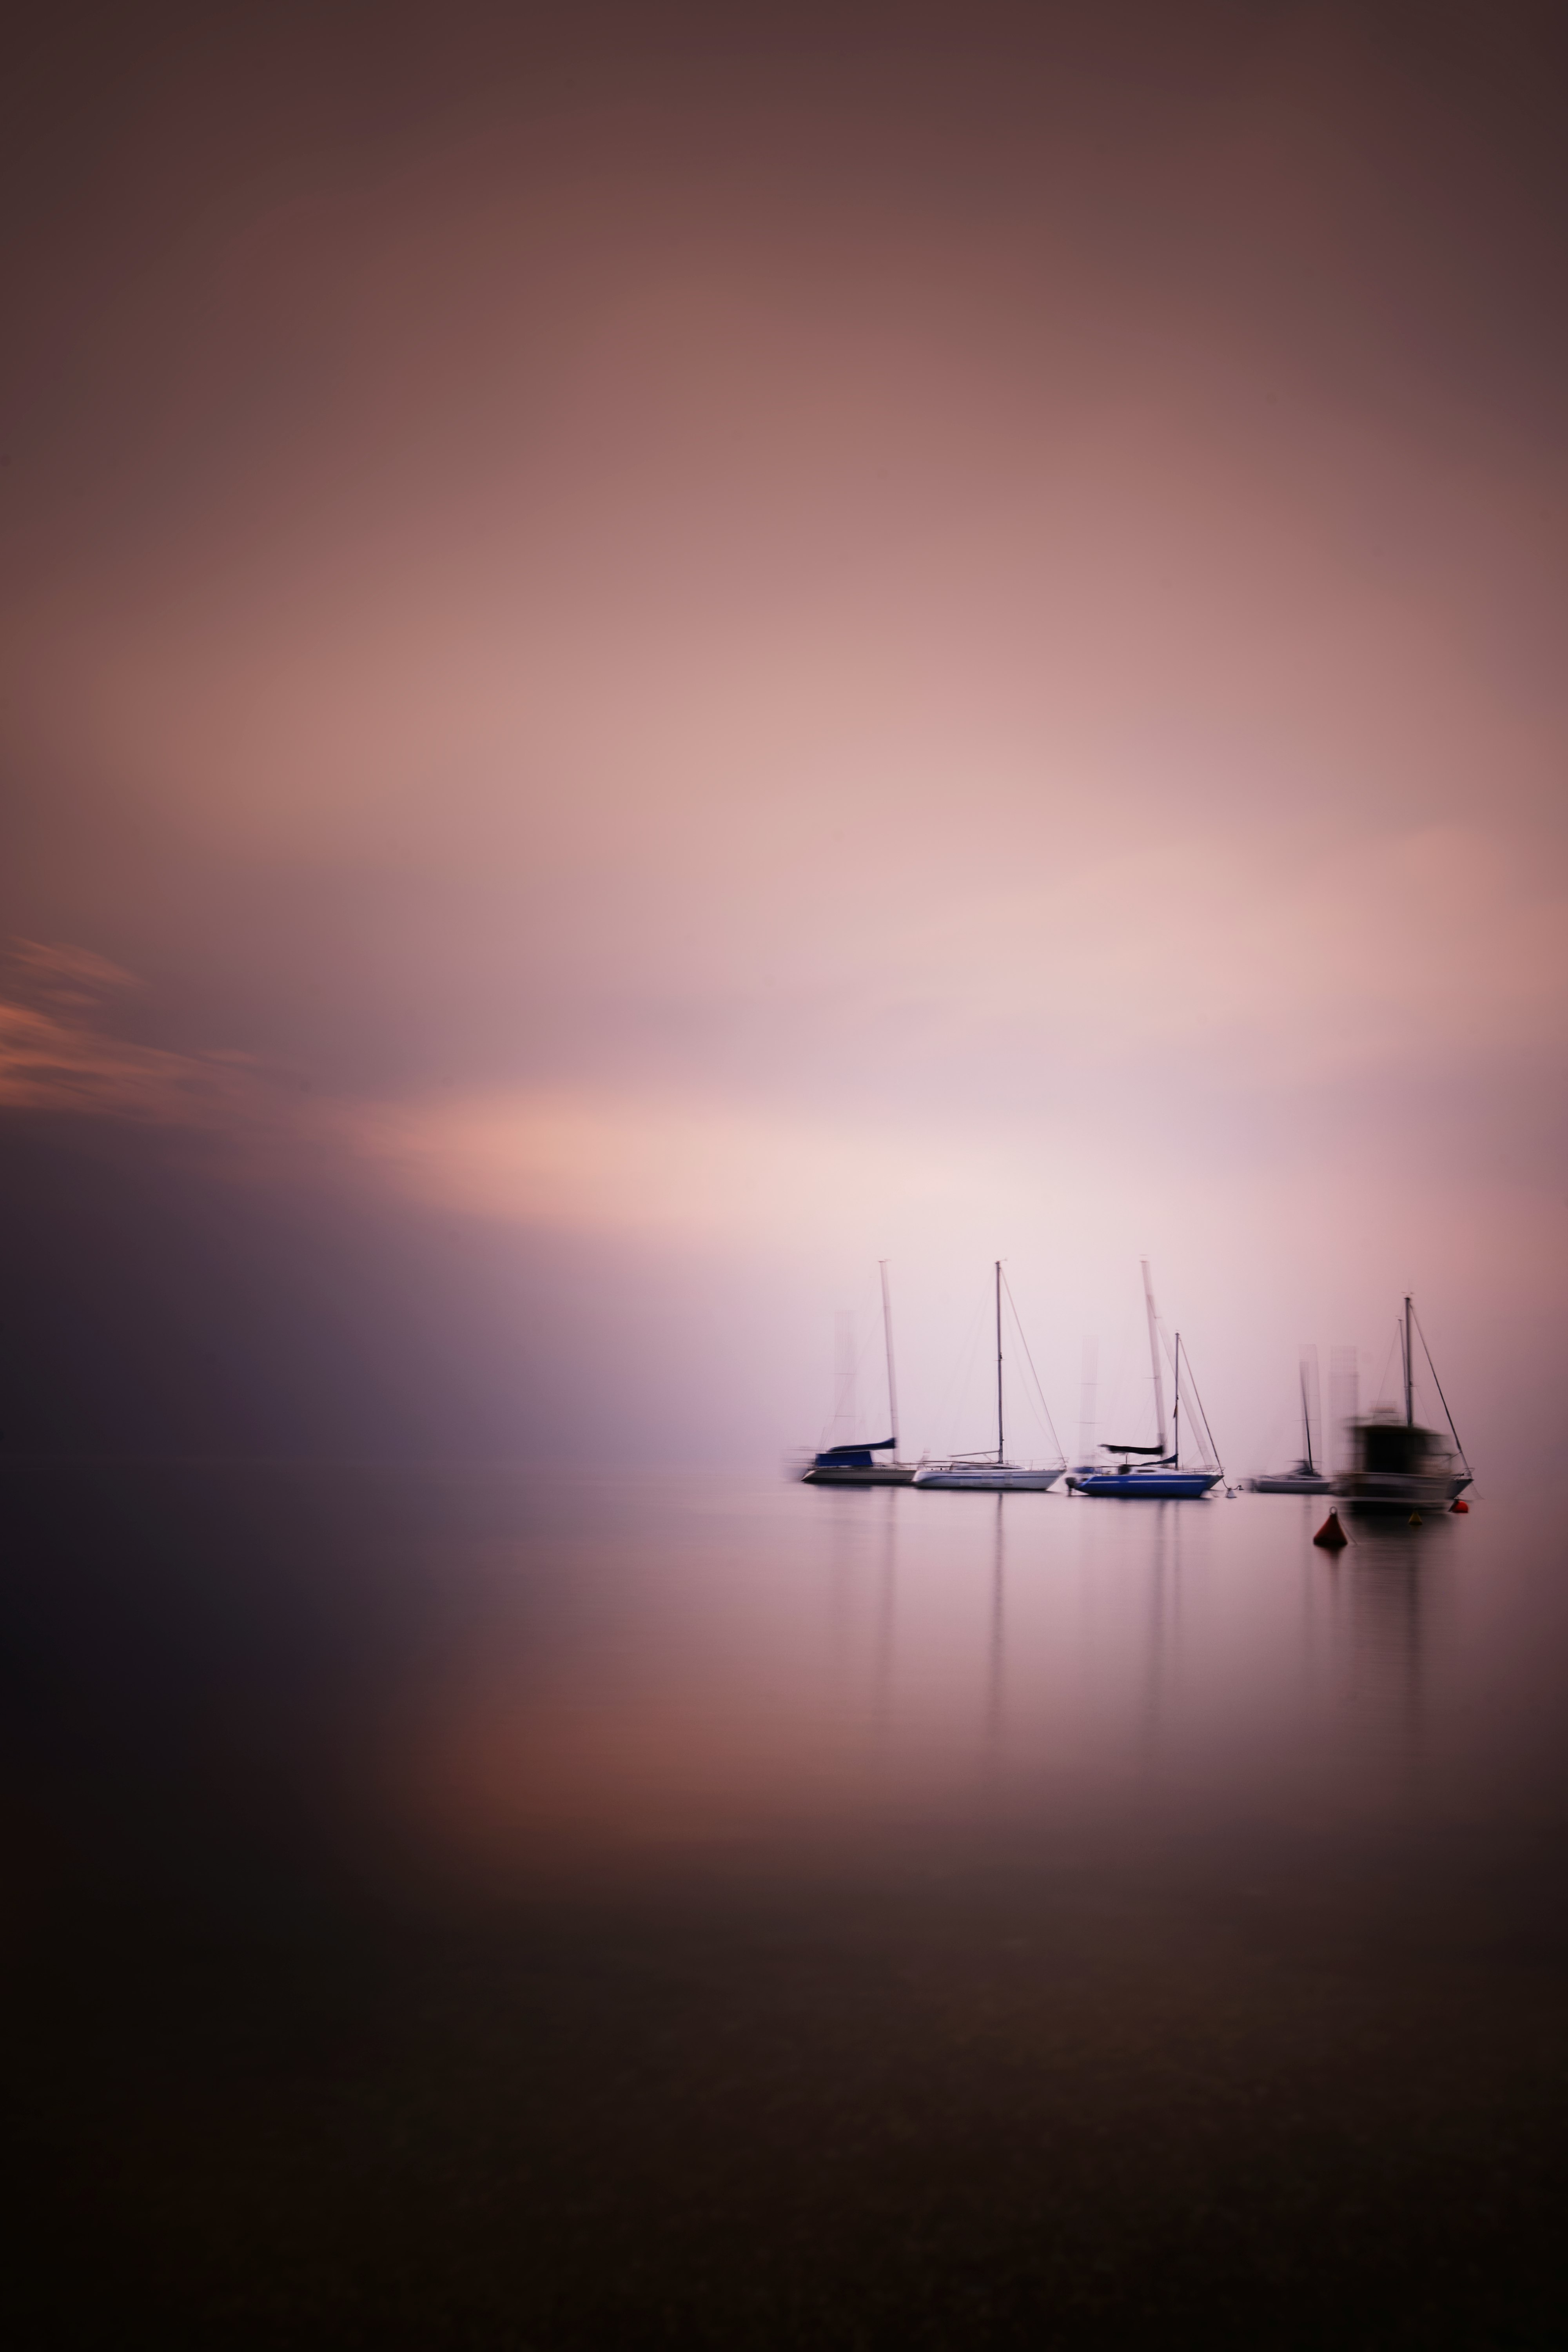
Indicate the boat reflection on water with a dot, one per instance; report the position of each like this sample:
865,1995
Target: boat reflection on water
995,1686
1398,1597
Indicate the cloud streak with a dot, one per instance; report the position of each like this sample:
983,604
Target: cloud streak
57,1057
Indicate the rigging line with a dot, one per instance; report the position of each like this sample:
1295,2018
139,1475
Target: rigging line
1039,1391
1170,1359
840,1387
1038,1412
1383,1377
870,1331
1441,1398
1033,1397
1214,1449
849,1389
1113,1411
958,1380
857,1313
1045,1410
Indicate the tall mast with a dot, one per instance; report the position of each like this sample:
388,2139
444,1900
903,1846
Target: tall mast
1000,1455
1306,1418
1154,1357
1176,1410
1088,1398
1409,1374
887,1337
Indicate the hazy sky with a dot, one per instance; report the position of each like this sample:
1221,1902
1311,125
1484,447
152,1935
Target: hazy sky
684,651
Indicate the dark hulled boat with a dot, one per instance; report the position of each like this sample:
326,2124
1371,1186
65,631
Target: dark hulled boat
1397,1466
856,1465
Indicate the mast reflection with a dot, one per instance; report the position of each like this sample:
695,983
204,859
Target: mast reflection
1160,1610
1391,1568
995,1690
887,1605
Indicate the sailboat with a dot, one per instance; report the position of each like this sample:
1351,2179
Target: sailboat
856,1465
1397,1466
978,1470
1307,1478
1159,1478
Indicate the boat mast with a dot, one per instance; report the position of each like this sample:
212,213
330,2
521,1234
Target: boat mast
1307,1421
887,1338
1000,1457
1176,1412
1409,1374
1154,1357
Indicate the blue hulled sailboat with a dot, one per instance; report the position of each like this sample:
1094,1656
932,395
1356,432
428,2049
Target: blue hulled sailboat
1153,1473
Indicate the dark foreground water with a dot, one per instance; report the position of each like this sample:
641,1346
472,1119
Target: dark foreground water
448,1909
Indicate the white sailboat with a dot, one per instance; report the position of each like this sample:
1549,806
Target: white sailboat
856,1465
980,1472
1307,1478
1159,1478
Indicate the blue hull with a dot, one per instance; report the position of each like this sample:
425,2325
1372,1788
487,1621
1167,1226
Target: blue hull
1148,1485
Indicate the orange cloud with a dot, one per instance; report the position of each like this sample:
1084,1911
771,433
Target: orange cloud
55,1057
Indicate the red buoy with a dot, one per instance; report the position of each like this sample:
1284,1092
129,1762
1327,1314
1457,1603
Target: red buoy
1458,1504
1331,1535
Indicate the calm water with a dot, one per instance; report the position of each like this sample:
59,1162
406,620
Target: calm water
457,1908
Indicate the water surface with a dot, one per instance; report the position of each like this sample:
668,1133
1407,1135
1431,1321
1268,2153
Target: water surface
452,1906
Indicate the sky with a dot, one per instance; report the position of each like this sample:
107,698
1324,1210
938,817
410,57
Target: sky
649,658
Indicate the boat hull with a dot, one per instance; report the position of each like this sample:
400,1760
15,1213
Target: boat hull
988,1478
1148,1485
1292,1482
880,1474
1395,1490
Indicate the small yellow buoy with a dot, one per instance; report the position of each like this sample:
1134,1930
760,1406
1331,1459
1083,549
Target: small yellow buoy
1415,1519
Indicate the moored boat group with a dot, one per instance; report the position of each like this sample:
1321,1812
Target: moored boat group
1394,1464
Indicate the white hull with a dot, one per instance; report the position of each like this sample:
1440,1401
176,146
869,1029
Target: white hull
1292,1482
987,1477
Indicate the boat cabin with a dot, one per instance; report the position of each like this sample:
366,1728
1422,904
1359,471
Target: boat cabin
1385,1445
